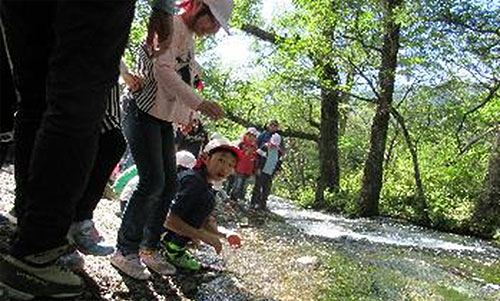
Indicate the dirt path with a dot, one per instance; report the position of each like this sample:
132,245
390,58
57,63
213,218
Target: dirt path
281,260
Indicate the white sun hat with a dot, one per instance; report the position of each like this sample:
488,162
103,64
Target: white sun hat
253,131
222,142
185,159
275,139
221,9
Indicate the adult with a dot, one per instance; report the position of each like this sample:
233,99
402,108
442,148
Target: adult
272,127
166,96
65,57
7,105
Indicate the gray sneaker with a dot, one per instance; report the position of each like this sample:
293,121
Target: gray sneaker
33,276
155,261
131,265
73,261
87,239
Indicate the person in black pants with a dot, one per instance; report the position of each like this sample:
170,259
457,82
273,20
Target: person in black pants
7,104
64,55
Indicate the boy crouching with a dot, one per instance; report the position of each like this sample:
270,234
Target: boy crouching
191,213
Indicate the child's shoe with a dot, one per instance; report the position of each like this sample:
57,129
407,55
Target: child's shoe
156,262
179,257
131,265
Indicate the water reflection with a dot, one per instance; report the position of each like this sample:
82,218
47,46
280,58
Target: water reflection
383,231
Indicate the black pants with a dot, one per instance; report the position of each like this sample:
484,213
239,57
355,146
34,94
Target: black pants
261,190
65,58
7,103
7,92
111,148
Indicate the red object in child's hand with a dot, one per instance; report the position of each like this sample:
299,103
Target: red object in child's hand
234,241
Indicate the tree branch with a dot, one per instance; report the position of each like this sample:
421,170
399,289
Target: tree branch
422,205
476,139
492,92
262,127
260,33
362,42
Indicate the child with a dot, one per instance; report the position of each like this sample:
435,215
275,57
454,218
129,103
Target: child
128,181
245,167
166,97
269,162
191,215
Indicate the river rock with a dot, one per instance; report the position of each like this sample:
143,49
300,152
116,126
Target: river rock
308,261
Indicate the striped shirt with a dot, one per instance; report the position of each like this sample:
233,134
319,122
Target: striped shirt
145,97
112,115
167,91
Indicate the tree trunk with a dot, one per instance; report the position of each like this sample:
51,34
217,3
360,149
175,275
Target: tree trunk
373,170
329,178
420,203
487,212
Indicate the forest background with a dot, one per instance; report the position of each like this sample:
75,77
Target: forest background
388,107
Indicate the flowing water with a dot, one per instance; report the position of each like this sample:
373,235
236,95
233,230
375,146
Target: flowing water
459,267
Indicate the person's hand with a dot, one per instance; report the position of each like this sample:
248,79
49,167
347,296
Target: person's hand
211,109
234,240
214,241
132,81
160,28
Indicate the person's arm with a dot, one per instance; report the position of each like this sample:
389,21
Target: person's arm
170,83
176,224
132,81
232,237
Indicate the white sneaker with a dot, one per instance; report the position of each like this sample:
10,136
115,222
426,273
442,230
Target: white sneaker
156,262
131,265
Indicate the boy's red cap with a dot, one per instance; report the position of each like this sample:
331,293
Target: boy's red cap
232,148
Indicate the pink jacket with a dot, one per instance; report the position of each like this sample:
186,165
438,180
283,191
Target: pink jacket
175,100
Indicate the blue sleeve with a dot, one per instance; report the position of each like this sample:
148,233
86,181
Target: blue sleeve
260,139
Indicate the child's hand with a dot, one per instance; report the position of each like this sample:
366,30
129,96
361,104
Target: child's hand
211,109
214,241
234,240
132,81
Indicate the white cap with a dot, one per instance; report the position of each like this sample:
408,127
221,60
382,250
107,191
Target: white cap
275,139
253,131
221,9
185,159
216,135
216,142
222,142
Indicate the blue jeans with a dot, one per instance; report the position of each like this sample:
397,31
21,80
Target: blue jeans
239,186
151,142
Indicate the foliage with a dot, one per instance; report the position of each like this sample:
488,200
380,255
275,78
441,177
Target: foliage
447,67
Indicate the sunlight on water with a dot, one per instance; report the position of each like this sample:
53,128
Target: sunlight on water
372,230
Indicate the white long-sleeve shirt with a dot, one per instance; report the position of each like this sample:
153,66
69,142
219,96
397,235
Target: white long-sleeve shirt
171,98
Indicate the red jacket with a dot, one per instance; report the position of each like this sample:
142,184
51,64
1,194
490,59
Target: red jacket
246,164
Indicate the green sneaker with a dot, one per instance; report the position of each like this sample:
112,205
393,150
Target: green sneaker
179,257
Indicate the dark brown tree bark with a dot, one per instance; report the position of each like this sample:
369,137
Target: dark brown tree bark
485,220
329,178
373,170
